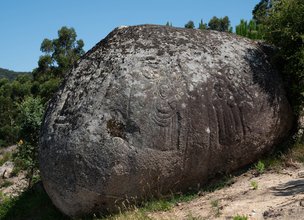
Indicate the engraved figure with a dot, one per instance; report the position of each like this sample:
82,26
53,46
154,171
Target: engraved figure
165,116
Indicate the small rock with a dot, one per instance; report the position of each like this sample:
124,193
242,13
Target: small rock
302,203
201,193
301,174
6,169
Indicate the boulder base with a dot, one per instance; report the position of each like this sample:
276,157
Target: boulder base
153,110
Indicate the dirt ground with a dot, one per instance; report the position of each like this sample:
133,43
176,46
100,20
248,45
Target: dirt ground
271,195
18,183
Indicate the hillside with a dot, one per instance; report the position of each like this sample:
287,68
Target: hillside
10,74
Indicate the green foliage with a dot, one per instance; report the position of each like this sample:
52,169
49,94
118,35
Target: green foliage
215,204
219,24
158,205
259,167
261,10
296,153
5,183
10,75
165,204
48,88
8,114
251,30
136,214
23,99
59,54
31,112
30,118
254,185
285,29
202,25
240,217
190,25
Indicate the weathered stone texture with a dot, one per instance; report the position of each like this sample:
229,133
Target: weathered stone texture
153,109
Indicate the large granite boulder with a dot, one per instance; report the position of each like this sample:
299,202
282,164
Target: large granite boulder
152,110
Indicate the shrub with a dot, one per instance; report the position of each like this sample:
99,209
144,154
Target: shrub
254,185
260,167
31,111
240,217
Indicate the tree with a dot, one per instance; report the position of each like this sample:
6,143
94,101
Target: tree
169,24
11,93
261,11
60,53
251,30
202,25
285,29
59,56
190,25
220,24
224,24
214,23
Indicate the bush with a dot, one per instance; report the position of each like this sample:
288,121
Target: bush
31,112
285,29
260,167
240,217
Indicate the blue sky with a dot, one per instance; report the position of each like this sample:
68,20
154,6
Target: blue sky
25,23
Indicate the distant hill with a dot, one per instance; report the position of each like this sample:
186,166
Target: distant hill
10,74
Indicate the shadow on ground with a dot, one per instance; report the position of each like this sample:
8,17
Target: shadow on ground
33,204
290,188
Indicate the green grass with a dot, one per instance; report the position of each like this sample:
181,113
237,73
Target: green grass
216,207
190,216
296,153
136,214
260,167
154,205
285,155
254,185
32,204
167,203
218,183
240,217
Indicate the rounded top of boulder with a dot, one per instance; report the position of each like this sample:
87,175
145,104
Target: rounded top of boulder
155,109
168,40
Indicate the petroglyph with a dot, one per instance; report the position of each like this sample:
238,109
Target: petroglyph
156,109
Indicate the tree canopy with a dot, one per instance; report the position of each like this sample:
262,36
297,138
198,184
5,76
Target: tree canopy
59,53
285,29
190,25
37,88
220,24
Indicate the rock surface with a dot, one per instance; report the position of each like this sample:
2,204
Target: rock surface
154,109
6,169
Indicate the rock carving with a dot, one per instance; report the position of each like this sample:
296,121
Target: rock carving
153,109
